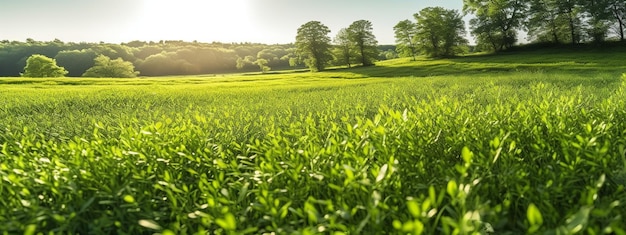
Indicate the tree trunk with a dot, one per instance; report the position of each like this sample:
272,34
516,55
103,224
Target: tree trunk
555,37
621,31
619,21
572,30
363,59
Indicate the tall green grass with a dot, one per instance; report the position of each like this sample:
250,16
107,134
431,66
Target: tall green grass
504,152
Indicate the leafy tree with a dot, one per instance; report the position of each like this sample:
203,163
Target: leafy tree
105,67
145,51
40,66
267,54
247,63
405,38
262,63
115,51
599,15
571,11
439,31
364,41
313,44
389,54
241,63
496,21
560,21
164,63
276,56
544,21
343,50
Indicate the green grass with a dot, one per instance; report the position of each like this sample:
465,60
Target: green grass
517,143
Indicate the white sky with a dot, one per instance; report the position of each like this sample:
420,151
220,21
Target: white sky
262,21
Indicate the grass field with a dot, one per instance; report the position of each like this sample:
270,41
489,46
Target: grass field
492,144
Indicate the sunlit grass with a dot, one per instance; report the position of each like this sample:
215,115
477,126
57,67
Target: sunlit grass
423,147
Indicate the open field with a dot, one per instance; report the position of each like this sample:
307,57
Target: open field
498,144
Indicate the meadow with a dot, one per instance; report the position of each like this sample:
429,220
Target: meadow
513,143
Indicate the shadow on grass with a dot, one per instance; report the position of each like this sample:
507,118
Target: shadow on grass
426,70
574,63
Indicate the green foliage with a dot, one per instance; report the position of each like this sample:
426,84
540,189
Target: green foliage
501,149
41,66
405,32
313,44
496,21
168,57
262,63
104,67
344,50
363,41
389,54
76,61
166,63
439,32
558,21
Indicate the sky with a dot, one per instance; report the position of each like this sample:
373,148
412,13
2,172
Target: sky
257,21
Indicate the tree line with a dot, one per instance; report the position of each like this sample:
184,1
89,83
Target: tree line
155,58
150,58
497,22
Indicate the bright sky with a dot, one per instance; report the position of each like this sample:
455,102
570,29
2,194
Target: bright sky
262,21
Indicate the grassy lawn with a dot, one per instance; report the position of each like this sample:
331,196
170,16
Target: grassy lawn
490,144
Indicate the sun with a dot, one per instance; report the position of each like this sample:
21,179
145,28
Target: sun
203,20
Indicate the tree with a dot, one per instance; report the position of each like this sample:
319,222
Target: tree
439,32
544,21
571,11
105,67
618,10
164,63
389,54
262,63
364,41
573,21
405,38
246,63
496,21
313,44
343,50
599,15
40,66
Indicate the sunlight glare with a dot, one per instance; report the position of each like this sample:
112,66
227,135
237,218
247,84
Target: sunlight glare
202,20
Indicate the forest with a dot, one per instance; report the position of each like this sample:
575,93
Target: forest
153,58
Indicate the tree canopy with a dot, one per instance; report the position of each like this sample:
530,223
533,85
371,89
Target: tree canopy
313,45
343,51
41,66
105,67
439,32
364,41
173,57
497,21
405,32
